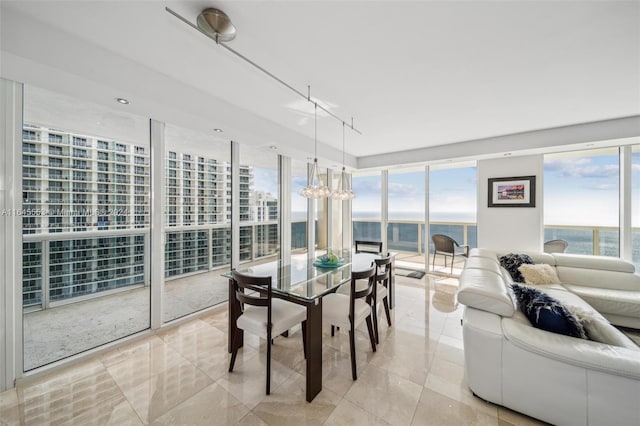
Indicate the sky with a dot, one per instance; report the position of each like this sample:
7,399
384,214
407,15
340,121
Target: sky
584,190
452,195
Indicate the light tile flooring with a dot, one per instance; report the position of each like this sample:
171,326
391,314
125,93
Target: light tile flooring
179,376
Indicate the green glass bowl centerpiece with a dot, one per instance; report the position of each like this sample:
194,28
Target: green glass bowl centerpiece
329,260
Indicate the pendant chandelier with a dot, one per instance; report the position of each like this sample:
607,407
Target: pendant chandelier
343,191
315,187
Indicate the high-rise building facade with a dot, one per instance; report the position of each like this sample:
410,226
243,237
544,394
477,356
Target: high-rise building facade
94,193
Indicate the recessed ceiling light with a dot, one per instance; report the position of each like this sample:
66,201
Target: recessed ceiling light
122,101
218,130
273,147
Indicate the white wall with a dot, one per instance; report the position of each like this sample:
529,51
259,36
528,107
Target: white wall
510,228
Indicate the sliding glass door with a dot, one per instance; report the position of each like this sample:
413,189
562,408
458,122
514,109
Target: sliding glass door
86,192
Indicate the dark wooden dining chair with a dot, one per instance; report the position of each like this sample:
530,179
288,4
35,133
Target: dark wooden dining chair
263,315
448,247
381,291
362,246
349,311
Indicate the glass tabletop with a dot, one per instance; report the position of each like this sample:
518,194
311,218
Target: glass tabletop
298,277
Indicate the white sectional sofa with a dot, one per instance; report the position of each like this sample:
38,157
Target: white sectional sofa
553,377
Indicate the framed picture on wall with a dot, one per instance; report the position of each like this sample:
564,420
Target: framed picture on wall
517,191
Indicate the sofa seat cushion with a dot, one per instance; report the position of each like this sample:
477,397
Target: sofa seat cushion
620,361
619,302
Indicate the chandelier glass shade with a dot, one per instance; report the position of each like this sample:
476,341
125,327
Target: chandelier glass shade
343,191
315,187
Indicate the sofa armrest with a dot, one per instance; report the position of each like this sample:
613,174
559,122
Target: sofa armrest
570,350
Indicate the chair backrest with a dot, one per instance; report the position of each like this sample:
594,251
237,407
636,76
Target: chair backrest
555,246
367,292
443,243
383,269
262,287
368,246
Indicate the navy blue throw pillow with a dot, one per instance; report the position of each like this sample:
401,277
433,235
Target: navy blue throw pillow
547,313
511,262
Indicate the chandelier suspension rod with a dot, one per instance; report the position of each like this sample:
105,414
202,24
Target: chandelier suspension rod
249,61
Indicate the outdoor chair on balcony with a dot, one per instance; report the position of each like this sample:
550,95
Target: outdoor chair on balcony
448,247
555,246
368,246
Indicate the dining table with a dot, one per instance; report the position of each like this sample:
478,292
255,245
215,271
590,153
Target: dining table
302,279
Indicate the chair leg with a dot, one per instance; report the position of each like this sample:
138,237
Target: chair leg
304,338
371,336
433,263
269,361
385,301
375,321
453,258
352,344
333,331
234,346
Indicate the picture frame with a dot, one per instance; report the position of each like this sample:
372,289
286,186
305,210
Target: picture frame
518,191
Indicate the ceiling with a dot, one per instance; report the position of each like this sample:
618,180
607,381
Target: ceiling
413,74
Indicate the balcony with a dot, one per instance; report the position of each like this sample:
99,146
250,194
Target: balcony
407,238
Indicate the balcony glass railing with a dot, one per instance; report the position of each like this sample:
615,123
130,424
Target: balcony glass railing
409,236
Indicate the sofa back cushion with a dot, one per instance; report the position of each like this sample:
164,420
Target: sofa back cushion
598,278
485,263
486,291
601,263
536,256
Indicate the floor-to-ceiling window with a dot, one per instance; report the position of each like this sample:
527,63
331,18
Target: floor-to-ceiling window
453,206
86,193
635,206
197,242
406,214
366,208
259,205
581,200
298,206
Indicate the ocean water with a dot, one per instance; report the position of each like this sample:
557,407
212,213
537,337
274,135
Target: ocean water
410,236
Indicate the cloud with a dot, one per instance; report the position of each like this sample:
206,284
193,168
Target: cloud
265,180
603,187
581,168
298,181
366,186
404,190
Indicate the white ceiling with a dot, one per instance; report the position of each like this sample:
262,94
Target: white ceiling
412,74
